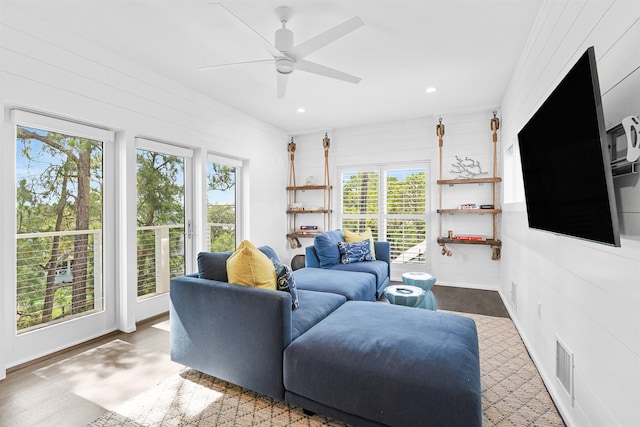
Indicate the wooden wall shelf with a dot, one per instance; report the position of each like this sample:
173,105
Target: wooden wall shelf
493,242
469,211
306,230
489,242
308,211
309,187
489,180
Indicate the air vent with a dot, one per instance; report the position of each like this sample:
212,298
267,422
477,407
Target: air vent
514,295
564,368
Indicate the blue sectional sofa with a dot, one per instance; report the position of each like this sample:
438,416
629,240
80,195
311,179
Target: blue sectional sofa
366,363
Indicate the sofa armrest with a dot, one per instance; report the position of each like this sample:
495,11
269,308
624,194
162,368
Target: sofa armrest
383,253
235,333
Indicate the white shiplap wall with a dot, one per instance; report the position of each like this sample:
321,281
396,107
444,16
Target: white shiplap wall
585,294
47,70
467,134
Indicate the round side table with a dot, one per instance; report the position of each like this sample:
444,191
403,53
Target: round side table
410,296
424,281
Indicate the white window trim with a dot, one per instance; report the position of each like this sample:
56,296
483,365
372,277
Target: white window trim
39,121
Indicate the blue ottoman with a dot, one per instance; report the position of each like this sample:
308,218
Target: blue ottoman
381,364
426,282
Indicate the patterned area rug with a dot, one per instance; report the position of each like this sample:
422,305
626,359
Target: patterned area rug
512,394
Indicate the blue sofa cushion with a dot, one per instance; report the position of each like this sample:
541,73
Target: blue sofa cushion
378,268
351,252
213,265
326,245
354,286
314,306
389,364
286,282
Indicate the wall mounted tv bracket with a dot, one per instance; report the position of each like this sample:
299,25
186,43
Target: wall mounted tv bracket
631,127
624,146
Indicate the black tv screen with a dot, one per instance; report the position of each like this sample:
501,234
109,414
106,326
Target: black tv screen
565,160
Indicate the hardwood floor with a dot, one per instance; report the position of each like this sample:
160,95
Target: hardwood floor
75,386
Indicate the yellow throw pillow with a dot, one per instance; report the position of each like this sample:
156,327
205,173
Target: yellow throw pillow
248,266
350,236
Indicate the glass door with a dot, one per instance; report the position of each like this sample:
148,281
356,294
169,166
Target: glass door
164,226
63,279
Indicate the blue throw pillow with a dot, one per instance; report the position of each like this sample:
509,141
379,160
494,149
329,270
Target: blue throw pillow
213,265
351,252
286,282
326,245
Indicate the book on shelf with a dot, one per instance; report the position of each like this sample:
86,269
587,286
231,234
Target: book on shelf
468,206
474,237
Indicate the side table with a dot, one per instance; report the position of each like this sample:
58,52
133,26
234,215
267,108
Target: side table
424,281
410,296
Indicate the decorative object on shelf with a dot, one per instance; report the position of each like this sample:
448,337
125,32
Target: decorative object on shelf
309,180
469,171
466,168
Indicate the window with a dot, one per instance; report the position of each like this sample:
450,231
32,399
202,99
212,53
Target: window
222,195
59,221
391,200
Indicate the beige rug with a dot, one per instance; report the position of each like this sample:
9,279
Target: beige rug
512,394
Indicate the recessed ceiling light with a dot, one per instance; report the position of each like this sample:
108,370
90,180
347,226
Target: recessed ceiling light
300,110
431,89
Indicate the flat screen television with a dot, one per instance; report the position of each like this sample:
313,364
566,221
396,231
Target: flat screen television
566,169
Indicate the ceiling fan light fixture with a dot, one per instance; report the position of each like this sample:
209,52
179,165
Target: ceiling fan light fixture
284,65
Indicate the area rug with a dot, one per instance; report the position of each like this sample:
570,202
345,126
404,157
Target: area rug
513,394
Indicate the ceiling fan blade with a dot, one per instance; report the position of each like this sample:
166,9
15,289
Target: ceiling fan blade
232,64
312,67
323,39
246,28
282,84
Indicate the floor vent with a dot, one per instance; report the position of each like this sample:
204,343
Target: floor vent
514,295
564,368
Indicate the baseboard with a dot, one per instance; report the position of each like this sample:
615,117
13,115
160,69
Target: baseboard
469,286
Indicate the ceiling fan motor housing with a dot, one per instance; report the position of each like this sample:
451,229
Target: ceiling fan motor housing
284,40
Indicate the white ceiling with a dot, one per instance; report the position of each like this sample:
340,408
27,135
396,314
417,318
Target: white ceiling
468,49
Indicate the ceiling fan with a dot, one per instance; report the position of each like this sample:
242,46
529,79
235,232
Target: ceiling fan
288,57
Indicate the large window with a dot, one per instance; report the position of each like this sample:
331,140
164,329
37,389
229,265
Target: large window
222,195
59,222
391,200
